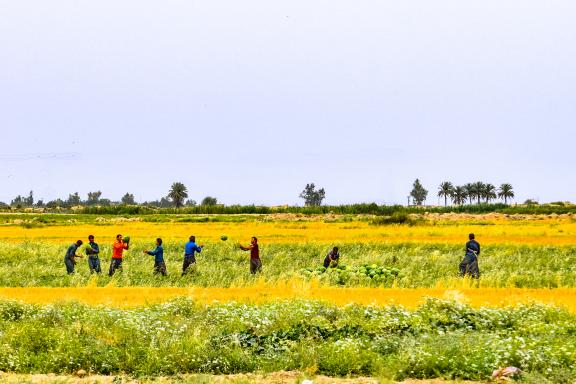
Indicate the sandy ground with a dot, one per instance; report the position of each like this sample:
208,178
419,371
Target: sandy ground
268,378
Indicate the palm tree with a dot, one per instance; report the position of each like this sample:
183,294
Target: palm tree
470,192
478,189
505,191
446,189
489,192
178,193
459,195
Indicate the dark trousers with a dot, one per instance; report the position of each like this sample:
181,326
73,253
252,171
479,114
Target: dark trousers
114,265
189,262
69,265
160,267
94,264
469,267
255,266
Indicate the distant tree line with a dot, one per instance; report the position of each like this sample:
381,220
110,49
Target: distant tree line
473,193
177,197
479,195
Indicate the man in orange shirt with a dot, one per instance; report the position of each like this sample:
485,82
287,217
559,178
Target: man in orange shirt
117,249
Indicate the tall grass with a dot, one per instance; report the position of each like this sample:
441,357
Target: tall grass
39,263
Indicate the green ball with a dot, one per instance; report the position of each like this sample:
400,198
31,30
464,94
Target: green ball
126,239
223,237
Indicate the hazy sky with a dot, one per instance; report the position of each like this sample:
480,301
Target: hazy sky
250,100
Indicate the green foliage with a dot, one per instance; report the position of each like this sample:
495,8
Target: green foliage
178,194
439,339
209,200
395,218
418,193
312,197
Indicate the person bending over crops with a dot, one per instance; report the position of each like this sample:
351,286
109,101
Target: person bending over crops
255,263
189,250
70,258
469,265
332,258
117,250
92,250
158,253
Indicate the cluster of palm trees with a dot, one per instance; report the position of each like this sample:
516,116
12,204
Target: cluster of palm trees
474,192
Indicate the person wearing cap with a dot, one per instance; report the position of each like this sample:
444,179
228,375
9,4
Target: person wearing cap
70,258
117,250
93,251
469,265
158,253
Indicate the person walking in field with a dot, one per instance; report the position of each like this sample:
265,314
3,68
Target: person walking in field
93,251
70,258
255,262
189,254
158,253
469,265
117,250
332,258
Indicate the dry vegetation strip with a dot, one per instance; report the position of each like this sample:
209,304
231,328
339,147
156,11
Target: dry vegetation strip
130,297
495,231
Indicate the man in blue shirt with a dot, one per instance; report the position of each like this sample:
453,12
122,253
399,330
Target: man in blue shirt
92,251
189,259
70,258
158,253
469,265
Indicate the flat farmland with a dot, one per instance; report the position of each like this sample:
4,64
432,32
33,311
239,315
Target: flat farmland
413,319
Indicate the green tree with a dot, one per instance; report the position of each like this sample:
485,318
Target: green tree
470,192
506,192
478,190
74,199
29,201
128,199
190,203
459,196
17,202
489,192
418,193
445,190
311,196
93,198
208,200
178,193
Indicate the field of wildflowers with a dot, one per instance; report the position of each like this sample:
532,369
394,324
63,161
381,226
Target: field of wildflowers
421,322
437,339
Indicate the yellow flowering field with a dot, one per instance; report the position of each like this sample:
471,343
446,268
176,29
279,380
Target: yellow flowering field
497,229
130,297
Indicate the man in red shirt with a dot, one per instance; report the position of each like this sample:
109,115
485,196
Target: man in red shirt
117,249
255,263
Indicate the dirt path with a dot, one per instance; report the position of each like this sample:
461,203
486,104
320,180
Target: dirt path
268,378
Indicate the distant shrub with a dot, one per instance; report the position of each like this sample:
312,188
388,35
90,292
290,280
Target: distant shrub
395,218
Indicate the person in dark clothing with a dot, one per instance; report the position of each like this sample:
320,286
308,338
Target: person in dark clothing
469,265
189,258
255,263
70,258
332,258
158,253
92,250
